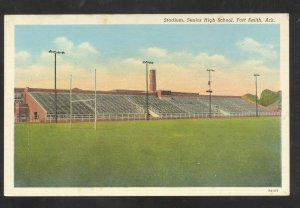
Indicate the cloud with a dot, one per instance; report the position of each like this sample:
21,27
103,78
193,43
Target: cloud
176,70
83,54
253,47
133,61
185,59
41,76
64,44
185,71
155,52
79,59
22,57
238,79
212,61
87,47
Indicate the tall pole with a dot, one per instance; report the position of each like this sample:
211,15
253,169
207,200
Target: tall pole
147,93
55,91
70,101
209,84
95,125
209,90
147,96
256,75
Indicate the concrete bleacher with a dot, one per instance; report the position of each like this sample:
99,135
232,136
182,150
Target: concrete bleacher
235,105
192,104
136,104
156,105
228,105
106,104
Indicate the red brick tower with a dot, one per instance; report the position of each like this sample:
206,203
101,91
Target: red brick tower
152,77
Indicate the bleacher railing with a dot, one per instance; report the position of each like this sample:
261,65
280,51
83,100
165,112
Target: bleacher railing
100,117
135,116
215,115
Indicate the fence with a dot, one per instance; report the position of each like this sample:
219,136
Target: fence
91,117
141,116
133,116
215,115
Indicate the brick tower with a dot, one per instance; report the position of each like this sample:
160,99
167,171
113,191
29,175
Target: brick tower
152,84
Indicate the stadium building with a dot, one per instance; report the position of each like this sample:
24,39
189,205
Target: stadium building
38,105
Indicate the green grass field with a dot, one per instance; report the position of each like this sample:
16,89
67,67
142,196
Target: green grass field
236,152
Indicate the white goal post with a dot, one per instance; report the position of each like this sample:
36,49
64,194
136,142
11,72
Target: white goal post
84,100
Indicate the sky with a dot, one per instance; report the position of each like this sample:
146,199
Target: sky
181,54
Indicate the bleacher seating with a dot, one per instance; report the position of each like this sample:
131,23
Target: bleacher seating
192,104
106,104
136,104
156,105
234,105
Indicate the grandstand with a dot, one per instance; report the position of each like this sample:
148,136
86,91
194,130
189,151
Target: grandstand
156,105
192,104
33,104
112,106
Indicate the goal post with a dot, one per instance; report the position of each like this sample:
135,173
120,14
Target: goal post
83,100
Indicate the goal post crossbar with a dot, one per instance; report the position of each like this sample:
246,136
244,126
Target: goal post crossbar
84,100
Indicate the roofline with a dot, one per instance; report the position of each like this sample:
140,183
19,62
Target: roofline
122,92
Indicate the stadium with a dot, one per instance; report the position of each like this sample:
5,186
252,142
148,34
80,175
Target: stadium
38,105
176,128
181,144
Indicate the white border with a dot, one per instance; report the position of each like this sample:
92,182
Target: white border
11,20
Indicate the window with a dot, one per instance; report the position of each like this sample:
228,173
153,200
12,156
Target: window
23,117
35,115
18,96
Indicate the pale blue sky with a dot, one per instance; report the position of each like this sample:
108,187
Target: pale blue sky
238,44
126,40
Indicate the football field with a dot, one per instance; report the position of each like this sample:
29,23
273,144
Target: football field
235,152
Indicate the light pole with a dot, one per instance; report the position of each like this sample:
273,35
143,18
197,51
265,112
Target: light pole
209,89
55,52
256,75
147,94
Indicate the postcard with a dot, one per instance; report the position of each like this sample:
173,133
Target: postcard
146,105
